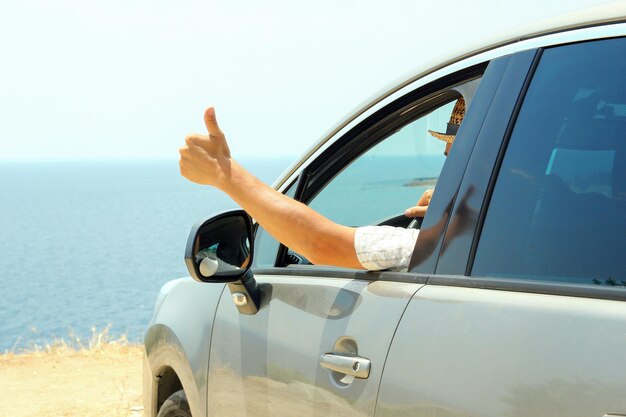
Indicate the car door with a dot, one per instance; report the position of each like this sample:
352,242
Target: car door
524,313
318,344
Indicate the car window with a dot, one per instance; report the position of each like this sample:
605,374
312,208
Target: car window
558,209
389,177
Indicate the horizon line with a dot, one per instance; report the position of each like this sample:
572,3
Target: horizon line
63,159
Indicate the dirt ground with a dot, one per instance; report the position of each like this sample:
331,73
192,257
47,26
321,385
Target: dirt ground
86,383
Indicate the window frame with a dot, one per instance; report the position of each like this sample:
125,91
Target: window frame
469,204
321,169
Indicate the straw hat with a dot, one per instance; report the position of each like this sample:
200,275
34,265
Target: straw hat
453,125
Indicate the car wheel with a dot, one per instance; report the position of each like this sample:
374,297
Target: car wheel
176,405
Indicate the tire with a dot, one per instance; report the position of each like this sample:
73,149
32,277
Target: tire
176,405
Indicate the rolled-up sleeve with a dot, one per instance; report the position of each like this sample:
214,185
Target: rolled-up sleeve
384,247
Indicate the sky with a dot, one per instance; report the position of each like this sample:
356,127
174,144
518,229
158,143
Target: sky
85,79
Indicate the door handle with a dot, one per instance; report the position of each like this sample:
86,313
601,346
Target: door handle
349,365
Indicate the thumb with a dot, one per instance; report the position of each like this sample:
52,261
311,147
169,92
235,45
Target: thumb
416,211
410,212
210,121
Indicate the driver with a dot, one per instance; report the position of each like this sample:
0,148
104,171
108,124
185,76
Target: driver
387,247
206,159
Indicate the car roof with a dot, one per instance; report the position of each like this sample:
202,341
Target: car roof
578,18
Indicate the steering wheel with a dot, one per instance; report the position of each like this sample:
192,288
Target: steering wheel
416,223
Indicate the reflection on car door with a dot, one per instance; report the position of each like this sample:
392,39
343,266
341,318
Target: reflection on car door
268,364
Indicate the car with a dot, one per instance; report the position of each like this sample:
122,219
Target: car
514,301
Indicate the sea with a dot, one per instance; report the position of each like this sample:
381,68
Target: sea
86,245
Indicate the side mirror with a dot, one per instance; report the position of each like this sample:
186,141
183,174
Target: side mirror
220,249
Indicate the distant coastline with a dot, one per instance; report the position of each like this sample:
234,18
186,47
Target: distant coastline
422,182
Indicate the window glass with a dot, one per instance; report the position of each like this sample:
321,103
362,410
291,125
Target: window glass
389,177
558,210
583,171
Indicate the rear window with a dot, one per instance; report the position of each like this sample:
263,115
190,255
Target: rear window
558,210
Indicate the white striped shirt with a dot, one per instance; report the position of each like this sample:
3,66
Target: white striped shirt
384,247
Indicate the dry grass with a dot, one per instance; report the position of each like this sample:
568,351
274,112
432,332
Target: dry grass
98,340
100,376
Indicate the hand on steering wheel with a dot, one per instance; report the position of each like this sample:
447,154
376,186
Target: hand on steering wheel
419,210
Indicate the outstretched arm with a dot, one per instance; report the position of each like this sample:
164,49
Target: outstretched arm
205,159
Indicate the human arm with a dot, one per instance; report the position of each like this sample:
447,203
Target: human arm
206,159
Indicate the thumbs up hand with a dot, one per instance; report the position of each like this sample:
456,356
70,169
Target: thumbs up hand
205,159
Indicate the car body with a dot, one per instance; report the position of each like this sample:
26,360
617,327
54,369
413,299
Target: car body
514,300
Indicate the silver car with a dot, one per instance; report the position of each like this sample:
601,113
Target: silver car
513,303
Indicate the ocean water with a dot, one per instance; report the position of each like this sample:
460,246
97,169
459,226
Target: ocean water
89,244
